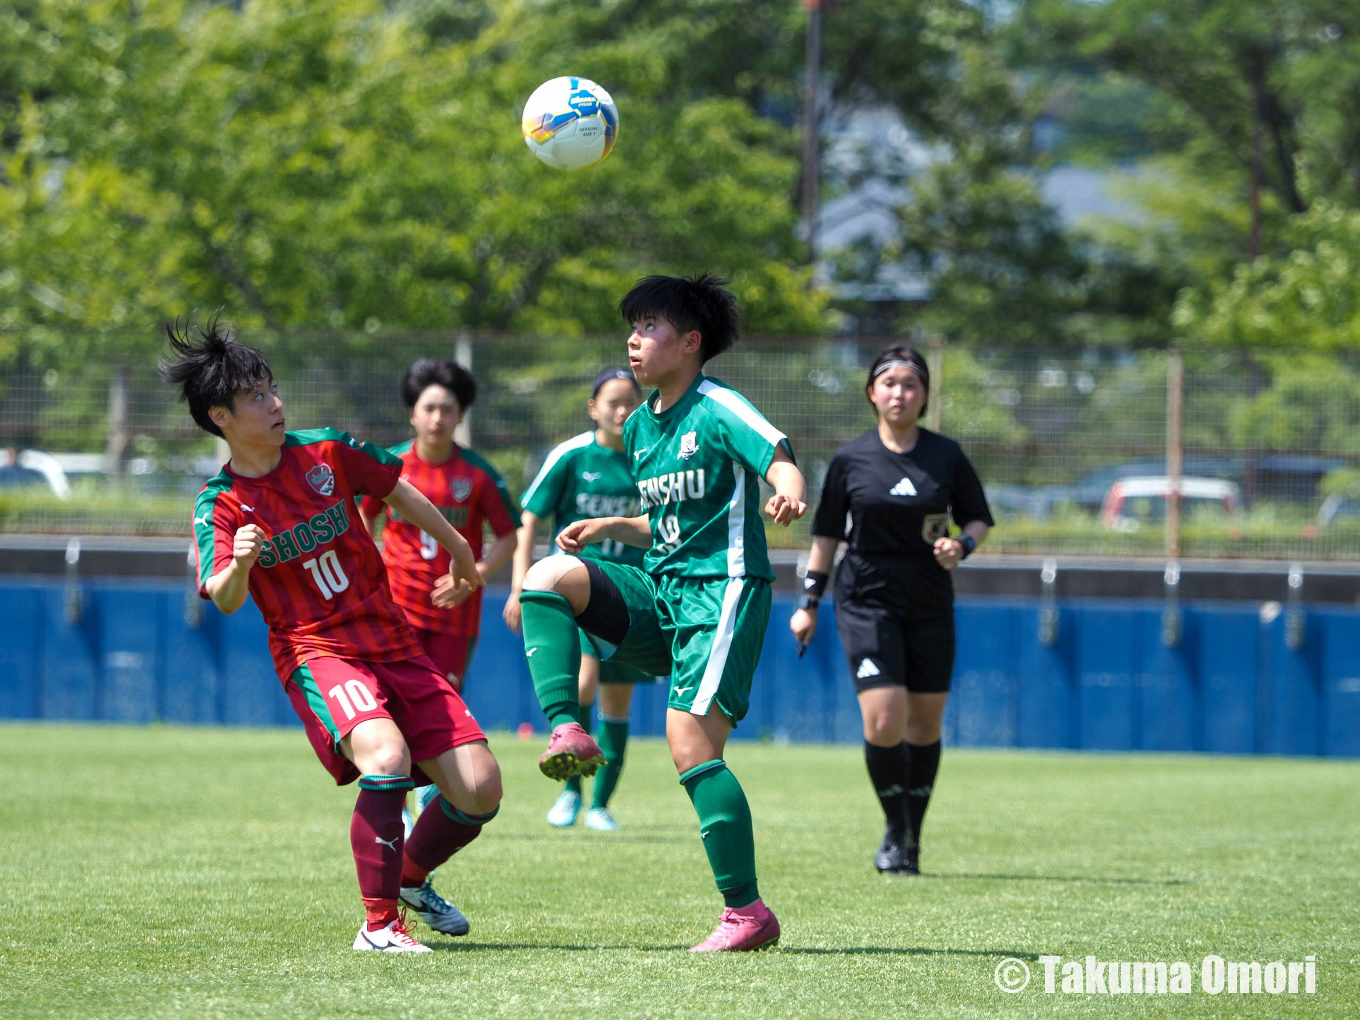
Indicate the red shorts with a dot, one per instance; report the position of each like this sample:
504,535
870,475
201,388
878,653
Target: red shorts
449,652
332,696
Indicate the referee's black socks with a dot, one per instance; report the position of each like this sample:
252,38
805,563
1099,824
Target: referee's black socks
889,771
924,763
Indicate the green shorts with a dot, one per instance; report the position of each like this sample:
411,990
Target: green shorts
706,632
612,672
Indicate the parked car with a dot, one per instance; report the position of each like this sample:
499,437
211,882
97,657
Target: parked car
1292,476
1034,501
1133,502
1091,488
1338,506
32,468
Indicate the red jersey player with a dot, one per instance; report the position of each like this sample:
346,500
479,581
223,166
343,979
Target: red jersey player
279,523
466,490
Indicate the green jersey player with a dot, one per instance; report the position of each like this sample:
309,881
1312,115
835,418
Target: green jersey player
698,606
589,476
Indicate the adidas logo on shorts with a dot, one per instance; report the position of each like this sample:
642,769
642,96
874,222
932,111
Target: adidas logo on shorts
867,668
903,488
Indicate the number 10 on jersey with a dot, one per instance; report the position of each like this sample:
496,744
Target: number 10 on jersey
327,574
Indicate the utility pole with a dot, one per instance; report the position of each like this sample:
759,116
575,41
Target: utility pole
811,122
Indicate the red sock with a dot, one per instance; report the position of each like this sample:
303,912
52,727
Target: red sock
380,913
412,874
375,833
441,831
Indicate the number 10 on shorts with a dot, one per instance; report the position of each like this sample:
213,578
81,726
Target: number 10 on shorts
327,574
352,695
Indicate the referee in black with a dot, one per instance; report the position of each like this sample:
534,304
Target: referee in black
889,495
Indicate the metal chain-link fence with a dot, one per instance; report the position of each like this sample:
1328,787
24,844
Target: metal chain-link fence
1071,446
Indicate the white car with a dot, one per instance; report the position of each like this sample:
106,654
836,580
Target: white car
1133,502
22,468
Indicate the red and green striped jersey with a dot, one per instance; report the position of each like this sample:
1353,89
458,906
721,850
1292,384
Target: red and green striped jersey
319,583
469,493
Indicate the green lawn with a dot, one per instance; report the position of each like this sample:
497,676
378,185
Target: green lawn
162,872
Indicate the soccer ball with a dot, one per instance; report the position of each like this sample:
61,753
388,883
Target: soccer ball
570,123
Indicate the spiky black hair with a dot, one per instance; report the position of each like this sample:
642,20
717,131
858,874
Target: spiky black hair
687,302
213,370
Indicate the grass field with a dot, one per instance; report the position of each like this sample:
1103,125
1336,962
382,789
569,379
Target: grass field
162,872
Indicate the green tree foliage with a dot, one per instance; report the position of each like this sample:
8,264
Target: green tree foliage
1000,267
1307,296
355,164
1281,73
1228,97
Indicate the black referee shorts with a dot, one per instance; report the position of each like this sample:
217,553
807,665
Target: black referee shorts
889,648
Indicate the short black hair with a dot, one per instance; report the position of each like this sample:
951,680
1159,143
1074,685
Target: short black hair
426,372
687,302
610,374
212,371
903,355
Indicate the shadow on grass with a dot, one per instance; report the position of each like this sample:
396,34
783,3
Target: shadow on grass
1055,878
473,947
995,954
603,838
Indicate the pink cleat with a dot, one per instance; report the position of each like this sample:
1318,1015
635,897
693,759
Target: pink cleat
742,929
571,752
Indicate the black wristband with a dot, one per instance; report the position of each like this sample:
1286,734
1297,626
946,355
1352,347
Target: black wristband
814,583
969,543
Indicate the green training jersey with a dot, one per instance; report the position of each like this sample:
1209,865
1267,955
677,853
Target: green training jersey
582,479
698,466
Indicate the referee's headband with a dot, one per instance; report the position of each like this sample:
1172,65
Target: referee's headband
897,363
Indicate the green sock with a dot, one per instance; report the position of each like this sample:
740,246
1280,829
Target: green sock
553,651
574,782
613,742
725,826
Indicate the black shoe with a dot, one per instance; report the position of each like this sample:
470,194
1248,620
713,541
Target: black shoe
889,856
911,860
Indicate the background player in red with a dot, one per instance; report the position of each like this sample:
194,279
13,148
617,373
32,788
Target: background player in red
469,494
278,523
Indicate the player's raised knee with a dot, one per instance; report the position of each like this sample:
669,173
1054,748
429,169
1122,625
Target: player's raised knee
564,575
547,574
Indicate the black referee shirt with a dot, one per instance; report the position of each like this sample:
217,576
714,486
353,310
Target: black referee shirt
891,507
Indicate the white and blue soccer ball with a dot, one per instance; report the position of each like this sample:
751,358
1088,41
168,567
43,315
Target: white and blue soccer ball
570,123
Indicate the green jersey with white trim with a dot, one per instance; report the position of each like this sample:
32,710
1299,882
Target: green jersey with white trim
582,479
698,466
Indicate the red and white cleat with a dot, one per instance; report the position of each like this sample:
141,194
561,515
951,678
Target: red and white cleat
392,939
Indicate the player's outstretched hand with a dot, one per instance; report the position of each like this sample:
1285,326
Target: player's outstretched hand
512,614
784,510
450,591
579,534
248,544
948,552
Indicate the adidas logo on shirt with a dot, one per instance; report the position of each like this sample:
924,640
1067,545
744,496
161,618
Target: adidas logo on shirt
867,668
903,488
